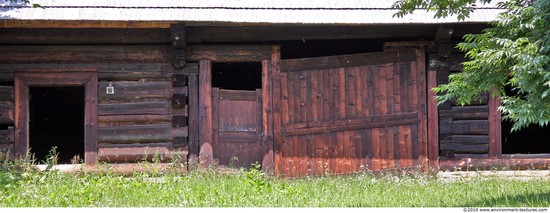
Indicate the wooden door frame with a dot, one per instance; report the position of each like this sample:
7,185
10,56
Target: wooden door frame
24,80
269,57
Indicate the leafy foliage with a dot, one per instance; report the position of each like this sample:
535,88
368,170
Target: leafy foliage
514,53
442,8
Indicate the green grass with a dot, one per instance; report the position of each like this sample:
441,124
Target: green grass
25,187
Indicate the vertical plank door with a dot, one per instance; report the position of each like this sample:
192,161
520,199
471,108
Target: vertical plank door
351,113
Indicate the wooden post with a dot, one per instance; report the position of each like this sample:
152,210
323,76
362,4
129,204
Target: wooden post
433,121
422,109
193,120
267,117
205,113
277,120
495,145
90,120
21,117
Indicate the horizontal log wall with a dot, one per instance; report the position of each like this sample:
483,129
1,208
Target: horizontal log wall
7,113
146,114
462,129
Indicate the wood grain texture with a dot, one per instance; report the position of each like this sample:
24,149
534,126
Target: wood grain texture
494,126
205,113
368,115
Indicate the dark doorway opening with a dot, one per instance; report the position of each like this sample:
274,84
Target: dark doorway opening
529,140
237,75
57,120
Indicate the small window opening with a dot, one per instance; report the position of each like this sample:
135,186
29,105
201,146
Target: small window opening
237,76
56,119
529,140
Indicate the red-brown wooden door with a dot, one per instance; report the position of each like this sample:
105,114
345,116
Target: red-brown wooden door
344,114
237,126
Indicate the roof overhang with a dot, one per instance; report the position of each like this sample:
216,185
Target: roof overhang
159,14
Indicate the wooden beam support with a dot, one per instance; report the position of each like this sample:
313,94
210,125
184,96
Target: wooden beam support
443,40
433,121
228,53
193,120
206,157
495,137
178,38
267,118
277,109
54,54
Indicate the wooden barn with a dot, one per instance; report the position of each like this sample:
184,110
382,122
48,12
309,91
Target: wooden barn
301,87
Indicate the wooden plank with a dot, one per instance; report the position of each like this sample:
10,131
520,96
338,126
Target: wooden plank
303,96
7,113
138,108
351,74
85,54
433,121
267,118
382,80
133,90
90,120
341,82
389,148
359,82
465,127
326,110
389,88
422,108
139,71
218,149
134,119
281,33
7,135
228,53
285,99
315,96
494,126
134,134
466,112
237,95
343,61
205,113
130,53
404,76
277,109
376,158
21,116
370,87
396,89
6,93
238,137
382,148
351,124
48,68
193,120
103,36
377,99
134,154
466,149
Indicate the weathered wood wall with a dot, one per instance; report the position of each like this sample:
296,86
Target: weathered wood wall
345,114
462,129
148,112
237,127
7,113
